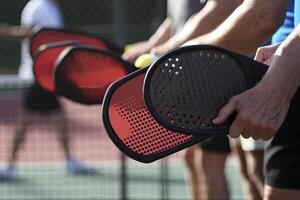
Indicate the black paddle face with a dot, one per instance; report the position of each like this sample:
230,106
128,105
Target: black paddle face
132,128
186,88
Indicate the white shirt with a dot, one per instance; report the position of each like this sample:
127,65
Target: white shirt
181,10
41,13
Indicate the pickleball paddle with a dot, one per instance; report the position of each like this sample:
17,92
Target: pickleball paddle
44,63
133,129
43,36
84,73
186,88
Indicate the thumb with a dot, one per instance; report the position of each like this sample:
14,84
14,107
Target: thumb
260,55
225,112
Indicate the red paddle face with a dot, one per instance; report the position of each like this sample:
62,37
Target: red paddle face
84,74
131,126
46,36
44,64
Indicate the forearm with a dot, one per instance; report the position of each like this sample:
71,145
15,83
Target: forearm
14,32
284,71
163,33
248,27
212,15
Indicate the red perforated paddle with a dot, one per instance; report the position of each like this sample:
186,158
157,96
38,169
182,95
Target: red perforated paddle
133,129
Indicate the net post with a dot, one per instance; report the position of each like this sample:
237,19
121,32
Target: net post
120,21
123,178
164,174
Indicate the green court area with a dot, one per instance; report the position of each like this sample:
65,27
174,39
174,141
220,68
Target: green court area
143,182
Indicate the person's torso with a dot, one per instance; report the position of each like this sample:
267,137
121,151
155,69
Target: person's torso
181,10
41,13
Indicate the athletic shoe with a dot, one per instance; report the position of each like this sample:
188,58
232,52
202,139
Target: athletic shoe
8,174
77,167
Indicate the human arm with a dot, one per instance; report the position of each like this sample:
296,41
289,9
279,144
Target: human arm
212,15
42,16
162,34
14,31
262,109
248,27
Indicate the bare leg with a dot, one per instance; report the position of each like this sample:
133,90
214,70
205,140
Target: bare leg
21,129
20,136
190,158
73,165
213,164
255,169
272,193
61,124
251,192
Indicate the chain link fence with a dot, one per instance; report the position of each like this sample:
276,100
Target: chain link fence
118,20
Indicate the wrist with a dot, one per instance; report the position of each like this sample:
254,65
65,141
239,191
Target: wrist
280,87
273,93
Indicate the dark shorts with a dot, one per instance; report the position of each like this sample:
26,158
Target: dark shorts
282,156
219,144
38,99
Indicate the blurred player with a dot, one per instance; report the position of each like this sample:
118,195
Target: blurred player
185,22
44,14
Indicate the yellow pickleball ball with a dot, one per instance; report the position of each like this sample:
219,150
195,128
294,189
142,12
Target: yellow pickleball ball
144,60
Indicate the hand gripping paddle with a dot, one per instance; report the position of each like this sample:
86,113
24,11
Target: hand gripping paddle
133,129
83,73
186,88
183,91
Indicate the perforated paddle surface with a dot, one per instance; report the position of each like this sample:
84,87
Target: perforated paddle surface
133,129
186,89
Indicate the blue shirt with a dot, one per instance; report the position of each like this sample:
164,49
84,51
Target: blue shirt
297,12
291,21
